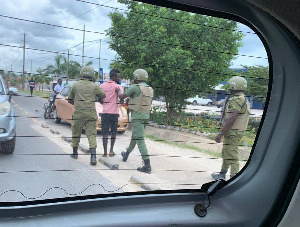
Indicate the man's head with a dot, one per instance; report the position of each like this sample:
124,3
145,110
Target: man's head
114,75
87,72
140,75
59,81
237,84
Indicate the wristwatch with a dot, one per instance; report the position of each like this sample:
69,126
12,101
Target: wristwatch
220,132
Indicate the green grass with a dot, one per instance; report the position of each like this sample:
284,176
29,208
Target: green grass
184,146
44,94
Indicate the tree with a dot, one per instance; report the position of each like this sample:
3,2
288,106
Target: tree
59,66
75,67
183,59
258,81
42,77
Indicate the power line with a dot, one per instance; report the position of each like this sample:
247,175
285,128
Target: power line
167,18
135,38
78,17
148,65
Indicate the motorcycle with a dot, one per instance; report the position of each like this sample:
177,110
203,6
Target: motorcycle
50,107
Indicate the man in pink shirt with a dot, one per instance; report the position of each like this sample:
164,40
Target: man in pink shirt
110,114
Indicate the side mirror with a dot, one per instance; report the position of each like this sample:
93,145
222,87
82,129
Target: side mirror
10,94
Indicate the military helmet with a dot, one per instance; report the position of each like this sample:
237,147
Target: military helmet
87,71
237,83
140,74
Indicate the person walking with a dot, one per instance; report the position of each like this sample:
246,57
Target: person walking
234,121
58,87
31,85
82,94
140,99
110,114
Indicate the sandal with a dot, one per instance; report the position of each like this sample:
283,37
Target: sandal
104,156
111,154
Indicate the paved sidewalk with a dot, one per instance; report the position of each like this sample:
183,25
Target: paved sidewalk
172,167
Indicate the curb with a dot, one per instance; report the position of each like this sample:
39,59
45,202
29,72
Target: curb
143,183
54,132
67,139
108,163
84,149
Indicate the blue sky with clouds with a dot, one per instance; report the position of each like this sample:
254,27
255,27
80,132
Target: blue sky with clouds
76,14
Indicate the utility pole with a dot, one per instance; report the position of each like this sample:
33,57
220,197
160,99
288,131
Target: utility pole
83,46
99,62
68,67
31,66
23,72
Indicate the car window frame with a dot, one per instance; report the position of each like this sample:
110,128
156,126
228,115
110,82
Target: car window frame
226,205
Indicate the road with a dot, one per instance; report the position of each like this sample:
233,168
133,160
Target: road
40,167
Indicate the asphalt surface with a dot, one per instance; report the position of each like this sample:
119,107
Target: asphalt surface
41,169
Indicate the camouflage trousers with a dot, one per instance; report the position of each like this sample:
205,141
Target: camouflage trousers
137,137
230,152
87,120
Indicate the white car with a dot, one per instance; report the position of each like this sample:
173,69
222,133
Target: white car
199,101
14,90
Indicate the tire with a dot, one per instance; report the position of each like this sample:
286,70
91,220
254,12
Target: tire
47,113
8,147
194,102
57,120
209,104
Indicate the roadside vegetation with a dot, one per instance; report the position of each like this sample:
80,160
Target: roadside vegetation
204,124
43,94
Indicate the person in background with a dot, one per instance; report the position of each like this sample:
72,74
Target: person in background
31,85
82,94
110,114
140,99
58,87
234,121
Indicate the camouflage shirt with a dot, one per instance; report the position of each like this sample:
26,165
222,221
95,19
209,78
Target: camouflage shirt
84,93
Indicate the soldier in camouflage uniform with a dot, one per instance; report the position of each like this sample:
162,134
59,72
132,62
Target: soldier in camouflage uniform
140,99
83,94
234,121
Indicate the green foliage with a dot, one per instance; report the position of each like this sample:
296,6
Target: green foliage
183,59
203,123
59,66
258,80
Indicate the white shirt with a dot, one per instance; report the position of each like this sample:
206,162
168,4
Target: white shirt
58,88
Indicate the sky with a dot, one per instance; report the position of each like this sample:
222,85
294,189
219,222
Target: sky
76,14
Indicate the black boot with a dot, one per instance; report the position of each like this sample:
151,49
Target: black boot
219,176
93,156
125,155
75,153
146,168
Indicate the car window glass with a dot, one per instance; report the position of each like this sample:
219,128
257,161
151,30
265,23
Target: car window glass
65,91
189,60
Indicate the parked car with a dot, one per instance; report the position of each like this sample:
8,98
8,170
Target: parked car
14,90
64,110
7,121
199,101
219,103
